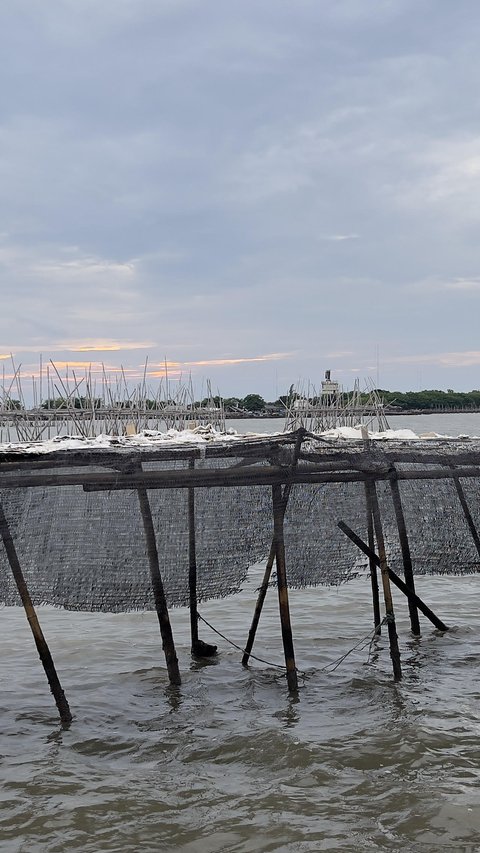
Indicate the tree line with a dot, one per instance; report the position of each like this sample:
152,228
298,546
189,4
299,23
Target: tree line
449,399
255,404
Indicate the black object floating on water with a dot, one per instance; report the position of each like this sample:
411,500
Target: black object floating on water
203,650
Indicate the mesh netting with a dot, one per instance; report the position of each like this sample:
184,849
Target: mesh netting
86,550
439,538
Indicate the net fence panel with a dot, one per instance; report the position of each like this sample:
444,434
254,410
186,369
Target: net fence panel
439,538
317,550
86,550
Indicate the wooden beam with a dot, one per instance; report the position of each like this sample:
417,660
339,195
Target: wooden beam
210,478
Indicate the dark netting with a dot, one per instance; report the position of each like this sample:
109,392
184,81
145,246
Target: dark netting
86,550
439,537
317,550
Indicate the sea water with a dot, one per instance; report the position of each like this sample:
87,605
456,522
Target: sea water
229,761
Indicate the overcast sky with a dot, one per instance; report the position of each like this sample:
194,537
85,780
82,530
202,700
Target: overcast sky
255,191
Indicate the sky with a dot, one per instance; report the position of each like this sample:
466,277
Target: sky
247,192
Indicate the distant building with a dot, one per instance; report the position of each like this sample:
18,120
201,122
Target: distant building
330,388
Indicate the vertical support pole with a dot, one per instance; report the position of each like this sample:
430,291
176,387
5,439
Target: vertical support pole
40,641
262,592
192,563
158,590
279,541
387,592
405,548
377,619
198,647
466,511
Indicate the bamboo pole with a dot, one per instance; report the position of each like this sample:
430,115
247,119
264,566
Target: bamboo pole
264,475
405,548
394,578
377,619
278,516
40,641
192,563
387,592
262,592
158,590
198,647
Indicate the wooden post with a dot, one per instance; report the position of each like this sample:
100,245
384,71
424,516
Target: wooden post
278,536
466,511
199,648
405,547
192,562
40,641
377,619
158,590
387,592
262,592
394,578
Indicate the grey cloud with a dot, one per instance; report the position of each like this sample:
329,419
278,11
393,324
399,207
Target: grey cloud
276,177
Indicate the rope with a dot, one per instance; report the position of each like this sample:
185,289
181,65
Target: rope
362,644
269,663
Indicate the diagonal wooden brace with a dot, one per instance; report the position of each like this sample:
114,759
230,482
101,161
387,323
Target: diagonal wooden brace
394,578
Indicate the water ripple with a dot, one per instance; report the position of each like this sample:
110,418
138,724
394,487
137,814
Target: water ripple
228,761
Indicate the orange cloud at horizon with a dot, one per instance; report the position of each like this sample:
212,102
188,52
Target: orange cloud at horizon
112,346
72,346
108,372
221,362
163,374
173,370
61,365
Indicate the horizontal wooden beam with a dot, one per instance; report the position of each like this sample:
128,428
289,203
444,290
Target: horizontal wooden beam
329,458
261,475
258,448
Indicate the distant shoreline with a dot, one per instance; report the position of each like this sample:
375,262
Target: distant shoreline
468,411
261,416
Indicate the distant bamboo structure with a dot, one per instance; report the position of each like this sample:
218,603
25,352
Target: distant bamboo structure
81,406
331,407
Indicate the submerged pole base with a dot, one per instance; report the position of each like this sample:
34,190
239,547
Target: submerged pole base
203,650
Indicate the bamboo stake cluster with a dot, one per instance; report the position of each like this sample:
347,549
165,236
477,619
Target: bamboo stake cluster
103,403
